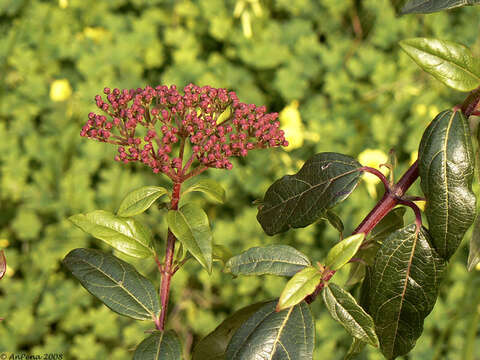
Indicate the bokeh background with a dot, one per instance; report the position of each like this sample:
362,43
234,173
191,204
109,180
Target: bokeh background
331,67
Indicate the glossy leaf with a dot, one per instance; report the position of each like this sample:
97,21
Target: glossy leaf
298,200
451,63
139,200
115,282
446,168
3,264
190,225
391,222
268,334
214,345
430,6
211,188
403,288
474,252
159,346
282,260
299,287
344,308
342,252
126,235
334,220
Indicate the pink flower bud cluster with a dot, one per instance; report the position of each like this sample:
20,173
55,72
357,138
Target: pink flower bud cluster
148,124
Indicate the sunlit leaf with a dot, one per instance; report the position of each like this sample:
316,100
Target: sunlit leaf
299,287
429,6
190,225
128,236
209,187
450,62
140,200
342,252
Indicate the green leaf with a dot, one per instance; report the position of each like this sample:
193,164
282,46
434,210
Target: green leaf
139,200
334,220
474,252
446,168
211,188
126,235
268,334
298,200
159,346
214,345
403,288
299,287
344,308
190,225
115,282
391,222
430,6
3,264
355,349
342,252
451,63
221,253
282,260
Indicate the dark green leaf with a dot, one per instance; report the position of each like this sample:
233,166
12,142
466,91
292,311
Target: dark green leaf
214,345
355,349
342,252
474,252
334,220
298,200
282,260
3,264
446,168
391,222
449,62
140,200
159,346
403,289
190,225
344,308
429,6
209,187
299,287
267,334
115,282
126,235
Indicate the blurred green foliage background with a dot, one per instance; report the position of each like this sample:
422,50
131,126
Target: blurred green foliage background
334,64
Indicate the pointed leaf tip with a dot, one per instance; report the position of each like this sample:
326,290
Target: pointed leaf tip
299,287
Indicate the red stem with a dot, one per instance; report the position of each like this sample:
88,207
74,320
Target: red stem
168,264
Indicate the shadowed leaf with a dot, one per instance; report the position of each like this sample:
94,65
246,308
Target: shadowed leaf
282,260
115,282
446,168
429,6
159,346
298,200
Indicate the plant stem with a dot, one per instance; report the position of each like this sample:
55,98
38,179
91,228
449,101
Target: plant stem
388,201
168,264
